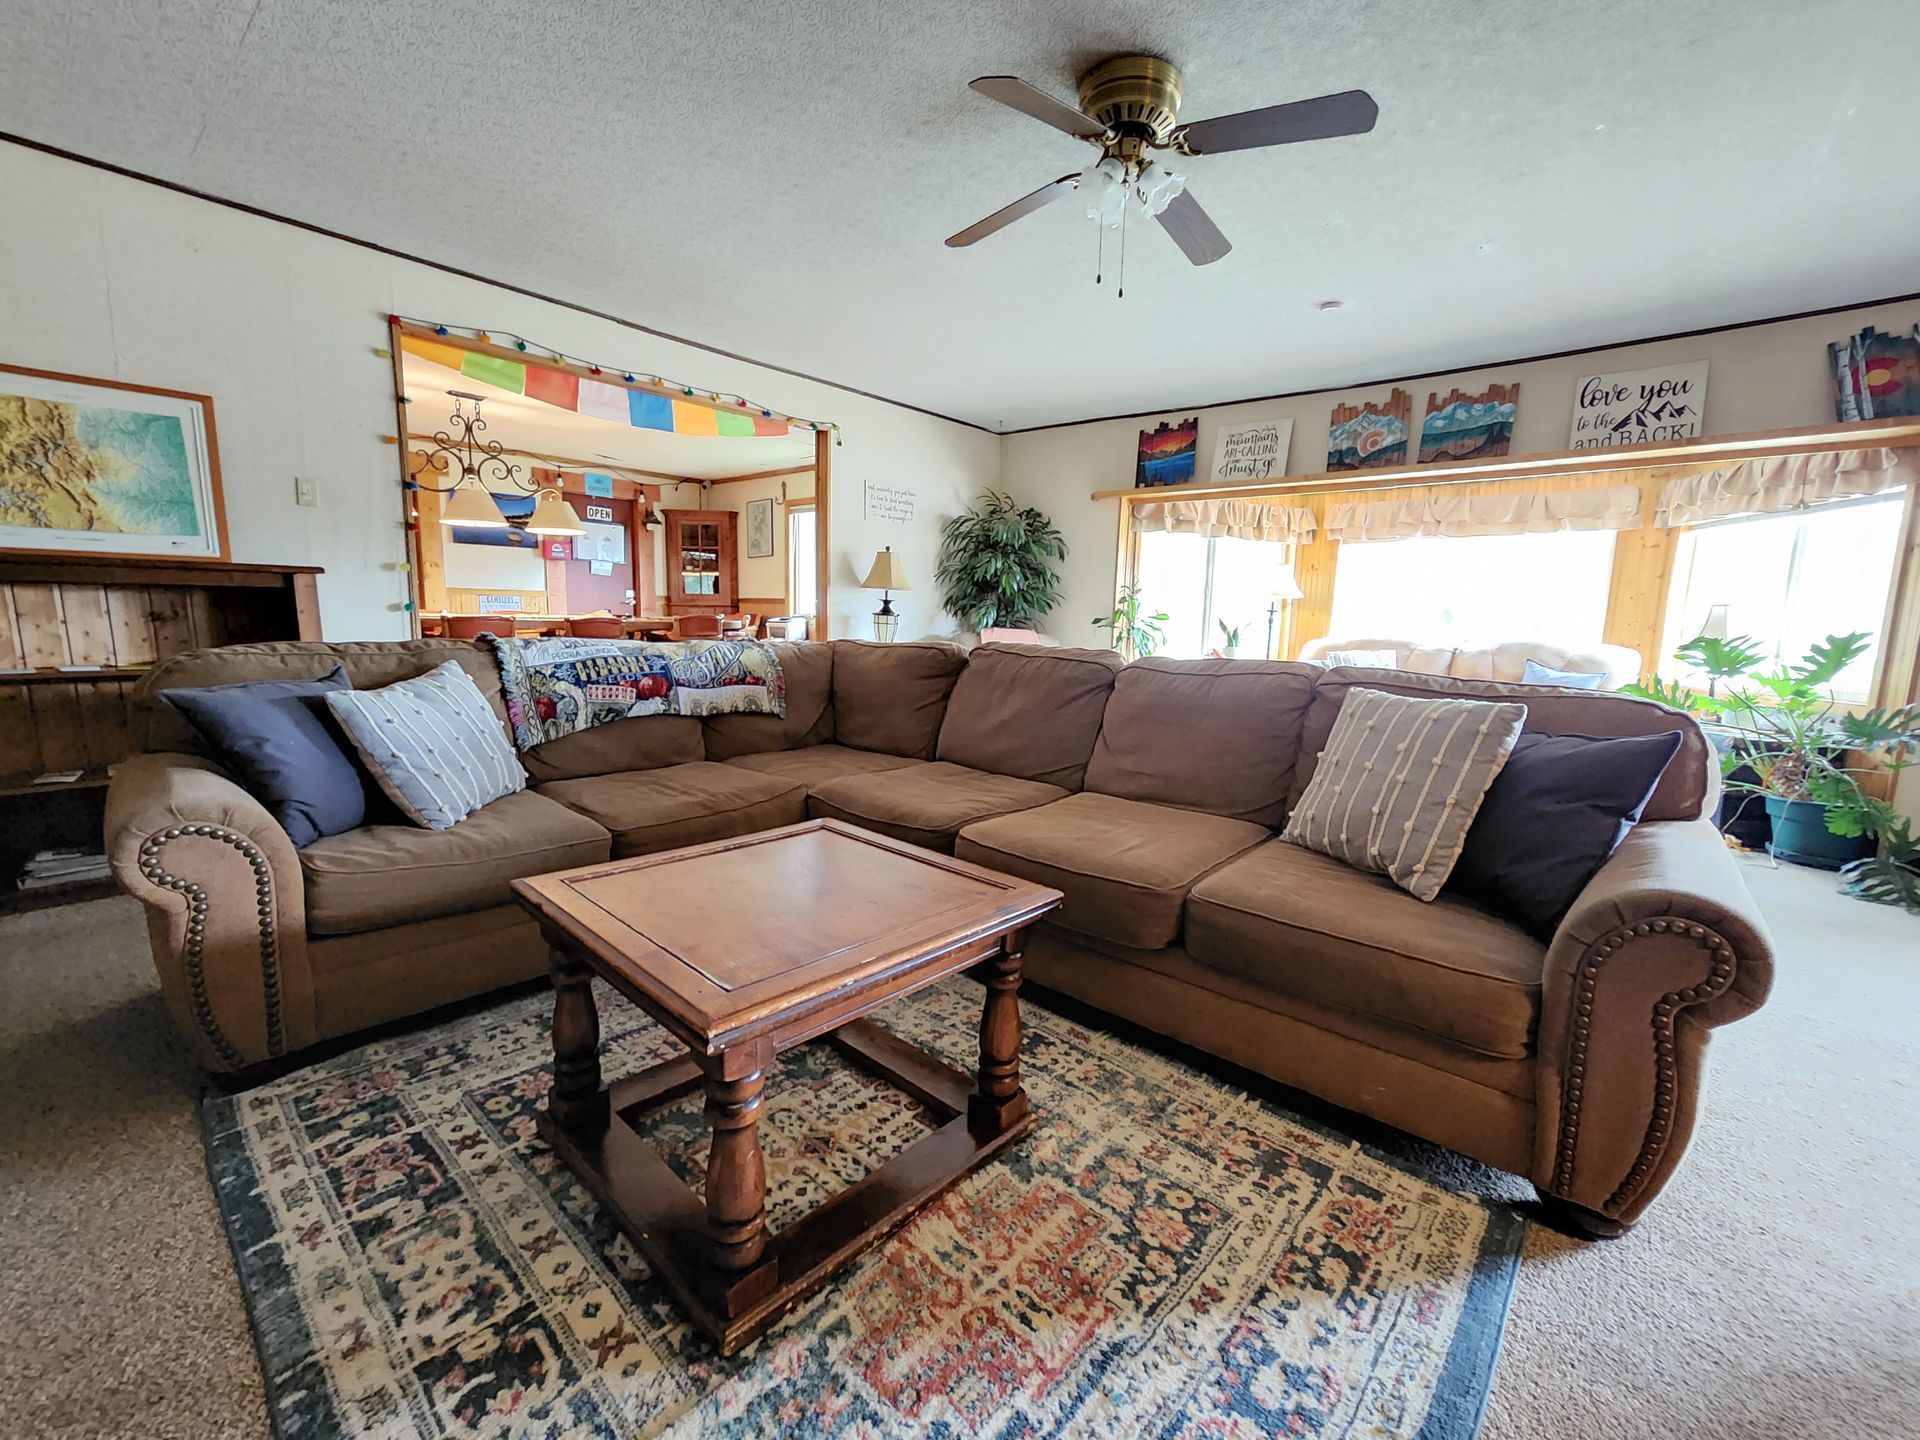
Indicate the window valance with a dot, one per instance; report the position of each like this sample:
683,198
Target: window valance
1242,519
1777,483
1519,512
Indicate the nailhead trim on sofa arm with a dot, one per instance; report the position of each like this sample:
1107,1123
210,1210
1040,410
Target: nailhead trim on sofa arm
1666,1070
194,957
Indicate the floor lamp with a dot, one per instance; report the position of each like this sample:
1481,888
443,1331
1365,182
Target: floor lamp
1284,593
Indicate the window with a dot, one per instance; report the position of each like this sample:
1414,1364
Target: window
1475,590
802,561
1203,583
1790,580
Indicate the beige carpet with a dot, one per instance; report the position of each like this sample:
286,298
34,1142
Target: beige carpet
1775,1291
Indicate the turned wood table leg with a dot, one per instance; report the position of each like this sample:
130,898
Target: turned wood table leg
736,1175
576,1100
999,1102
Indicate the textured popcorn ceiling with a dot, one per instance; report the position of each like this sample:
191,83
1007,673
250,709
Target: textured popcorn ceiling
776,178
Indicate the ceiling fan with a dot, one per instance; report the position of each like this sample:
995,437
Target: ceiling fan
1130,105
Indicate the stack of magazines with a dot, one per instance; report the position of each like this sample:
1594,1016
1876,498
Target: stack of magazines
50,868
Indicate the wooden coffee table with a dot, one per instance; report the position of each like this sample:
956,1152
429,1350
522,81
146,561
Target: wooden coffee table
745,948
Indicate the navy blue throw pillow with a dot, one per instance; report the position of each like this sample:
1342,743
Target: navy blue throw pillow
279,741
1558,808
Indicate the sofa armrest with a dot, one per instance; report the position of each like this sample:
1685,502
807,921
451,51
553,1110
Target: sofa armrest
226,906
1664,944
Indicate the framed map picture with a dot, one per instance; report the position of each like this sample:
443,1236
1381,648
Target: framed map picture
759,529
98,467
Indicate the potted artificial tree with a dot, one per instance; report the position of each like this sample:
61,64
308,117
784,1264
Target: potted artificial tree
1783,727
996,564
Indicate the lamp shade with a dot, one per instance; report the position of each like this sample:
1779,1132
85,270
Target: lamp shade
470,505
1287,588
887,573
553,516
1715,625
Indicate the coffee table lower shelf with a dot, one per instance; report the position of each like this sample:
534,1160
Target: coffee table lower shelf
669,1222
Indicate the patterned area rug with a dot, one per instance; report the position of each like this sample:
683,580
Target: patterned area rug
1165,1256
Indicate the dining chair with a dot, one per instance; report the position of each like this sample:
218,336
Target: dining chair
698,627
596,627
471,627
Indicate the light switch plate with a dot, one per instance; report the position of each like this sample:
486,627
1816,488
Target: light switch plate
306,491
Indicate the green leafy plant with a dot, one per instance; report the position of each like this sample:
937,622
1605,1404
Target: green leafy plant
996,564
1784,725
1134,633
1230,635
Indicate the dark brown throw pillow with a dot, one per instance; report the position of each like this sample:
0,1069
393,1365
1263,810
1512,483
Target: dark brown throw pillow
1558,808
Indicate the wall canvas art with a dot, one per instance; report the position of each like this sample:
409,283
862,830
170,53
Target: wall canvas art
759,529
1637,407
99,467
1469,427
1252,452
1167,453
1876,376
1370,436
514,507
602,544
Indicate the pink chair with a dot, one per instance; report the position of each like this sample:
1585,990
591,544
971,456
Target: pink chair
995,635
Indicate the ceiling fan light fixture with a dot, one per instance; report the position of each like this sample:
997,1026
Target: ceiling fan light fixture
1158,187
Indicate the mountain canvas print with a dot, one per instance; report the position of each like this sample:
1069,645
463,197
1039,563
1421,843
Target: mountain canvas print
1167,452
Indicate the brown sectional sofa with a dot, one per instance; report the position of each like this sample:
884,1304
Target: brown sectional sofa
1149,794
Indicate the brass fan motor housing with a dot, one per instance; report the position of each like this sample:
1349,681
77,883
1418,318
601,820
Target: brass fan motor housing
1135,96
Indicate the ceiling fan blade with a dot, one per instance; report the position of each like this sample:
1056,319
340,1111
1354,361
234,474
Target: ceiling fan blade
1193,230
1351,112
1007,214
1040,105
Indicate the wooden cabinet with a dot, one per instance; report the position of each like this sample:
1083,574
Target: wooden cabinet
75,633
703,561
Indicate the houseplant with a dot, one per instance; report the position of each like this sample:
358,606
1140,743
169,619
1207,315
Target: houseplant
996,564
1229,640
1134,633
1783,727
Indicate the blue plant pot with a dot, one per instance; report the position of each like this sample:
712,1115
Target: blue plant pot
1800,834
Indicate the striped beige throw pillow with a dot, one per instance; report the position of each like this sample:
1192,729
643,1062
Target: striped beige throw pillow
1400,782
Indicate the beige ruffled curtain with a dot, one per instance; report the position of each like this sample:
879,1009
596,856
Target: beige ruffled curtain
1516,512
1778,483
1242,519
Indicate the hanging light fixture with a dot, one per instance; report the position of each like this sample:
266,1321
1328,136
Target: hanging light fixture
470,499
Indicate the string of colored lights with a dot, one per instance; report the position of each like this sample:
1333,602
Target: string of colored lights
546,354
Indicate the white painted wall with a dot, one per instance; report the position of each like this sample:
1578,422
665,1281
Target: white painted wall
1763,377
106,276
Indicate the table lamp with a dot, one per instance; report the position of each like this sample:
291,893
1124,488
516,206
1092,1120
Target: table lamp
886,576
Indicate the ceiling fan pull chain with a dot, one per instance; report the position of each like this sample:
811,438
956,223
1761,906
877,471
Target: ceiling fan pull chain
1121,294
1100,256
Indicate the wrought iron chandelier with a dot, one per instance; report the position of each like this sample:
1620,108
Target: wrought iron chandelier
470,498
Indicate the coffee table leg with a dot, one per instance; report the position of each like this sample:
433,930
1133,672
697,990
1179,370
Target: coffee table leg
736,1175
999,1102
576,1100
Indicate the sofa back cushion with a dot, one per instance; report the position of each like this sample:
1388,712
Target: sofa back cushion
1688,789
640,742
370,664
892,697
807,667
1028,710
1213,735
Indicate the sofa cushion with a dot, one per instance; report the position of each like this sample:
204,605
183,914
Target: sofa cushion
926,804
994,716
381,875
649,810
639,742
370,664
817,764
1213,735
1307,925
807,668
892,697
1689,789
1124,866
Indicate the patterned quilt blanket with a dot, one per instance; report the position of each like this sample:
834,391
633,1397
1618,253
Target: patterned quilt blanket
560,686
